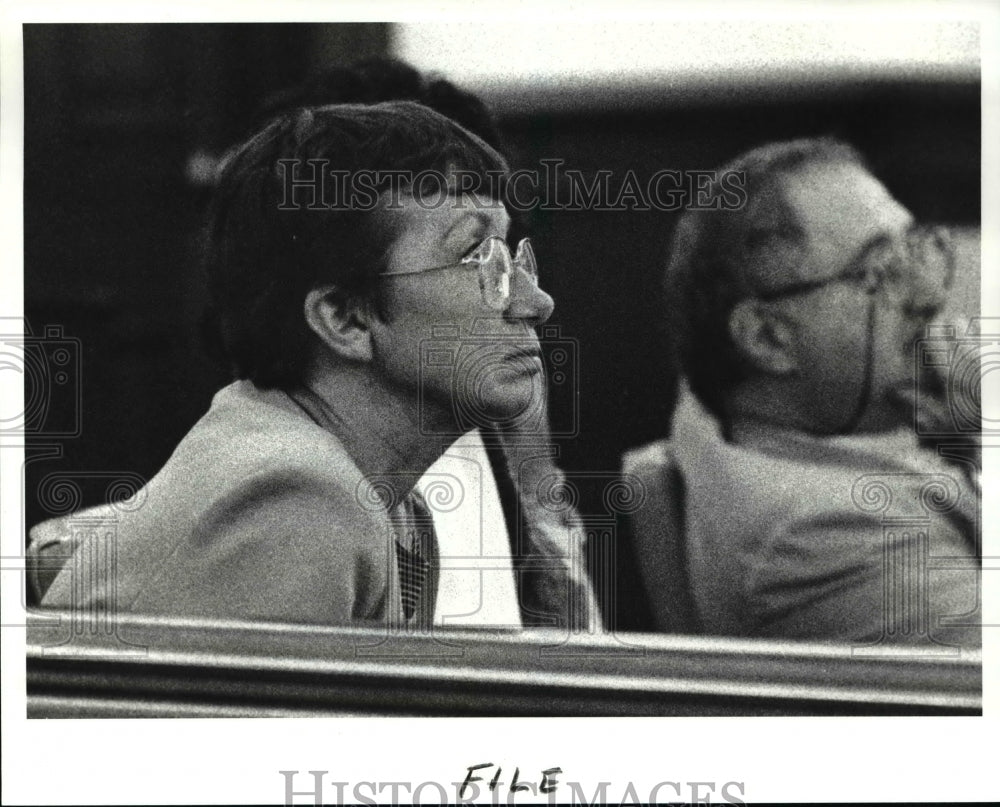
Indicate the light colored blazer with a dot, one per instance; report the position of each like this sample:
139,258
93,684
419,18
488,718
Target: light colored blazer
790,536
261,514
256,515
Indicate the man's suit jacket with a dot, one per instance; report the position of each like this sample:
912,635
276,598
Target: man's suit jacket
260,513
787,535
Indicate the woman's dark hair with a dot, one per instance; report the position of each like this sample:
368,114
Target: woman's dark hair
378,79
268,242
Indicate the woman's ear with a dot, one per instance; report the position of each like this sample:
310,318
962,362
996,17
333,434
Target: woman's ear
341,322
763,337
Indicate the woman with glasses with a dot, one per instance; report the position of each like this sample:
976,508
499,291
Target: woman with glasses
371,310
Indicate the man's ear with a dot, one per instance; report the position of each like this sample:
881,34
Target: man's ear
341,322
763,337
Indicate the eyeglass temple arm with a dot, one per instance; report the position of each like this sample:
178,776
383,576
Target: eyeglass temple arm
797,288
430,269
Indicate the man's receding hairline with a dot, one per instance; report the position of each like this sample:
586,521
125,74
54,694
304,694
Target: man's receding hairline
844,161
789,229
781,177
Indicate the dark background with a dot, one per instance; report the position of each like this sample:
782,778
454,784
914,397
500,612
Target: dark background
115,114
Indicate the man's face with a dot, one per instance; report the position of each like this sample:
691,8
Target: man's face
849,219
465,364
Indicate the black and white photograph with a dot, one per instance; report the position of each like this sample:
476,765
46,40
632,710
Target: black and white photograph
451,403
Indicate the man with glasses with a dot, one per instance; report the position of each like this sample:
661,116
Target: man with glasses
810,507
363,327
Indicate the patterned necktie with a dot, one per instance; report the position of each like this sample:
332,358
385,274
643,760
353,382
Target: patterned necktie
414,553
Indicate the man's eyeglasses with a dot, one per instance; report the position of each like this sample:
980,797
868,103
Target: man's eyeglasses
496,265
915,274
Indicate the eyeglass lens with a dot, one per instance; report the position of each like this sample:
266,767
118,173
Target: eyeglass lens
497,269
928,263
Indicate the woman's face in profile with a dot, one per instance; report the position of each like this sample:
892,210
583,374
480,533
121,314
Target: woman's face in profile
463,359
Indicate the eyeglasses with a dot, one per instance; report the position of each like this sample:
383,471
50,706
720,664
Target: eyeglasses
496,266
915,274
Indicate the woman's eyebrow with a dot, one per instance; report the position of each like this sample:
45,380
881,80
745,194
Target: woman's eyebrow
483,219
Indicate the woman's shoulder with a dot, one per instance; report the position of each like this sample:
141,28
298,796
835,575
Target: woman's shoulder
247,431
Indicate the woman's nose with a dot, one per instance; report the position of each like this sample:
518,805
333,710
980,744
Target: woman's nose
528,302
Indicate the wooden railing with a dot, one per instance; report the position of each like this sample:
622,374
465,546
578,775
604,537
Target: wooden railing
164,667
